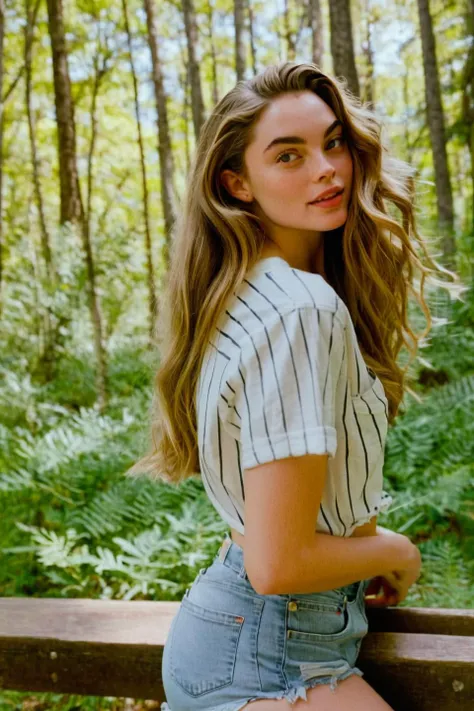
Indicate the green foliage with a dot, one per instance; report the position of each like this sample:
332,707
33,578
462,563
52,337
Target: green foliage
79,528
429,459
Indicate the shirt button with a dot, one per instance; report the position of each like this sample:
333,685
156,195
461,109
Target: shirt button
292,606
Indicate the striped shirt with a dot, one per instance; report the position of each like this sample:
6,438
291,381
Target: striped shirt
283,376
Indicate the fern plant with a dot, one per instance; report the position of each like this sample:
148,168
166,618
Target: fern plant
75,526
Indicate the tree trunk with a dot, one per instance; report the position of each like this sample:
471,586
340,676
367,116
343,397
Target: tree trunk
372,17
197,104
72,209
2,36
31,16
239,22
210,18
186,106
48,355
41,320
468,102
253,50
406,123
290,40
164,143
406,98
435,118
69,181
317,38
146,214
342,44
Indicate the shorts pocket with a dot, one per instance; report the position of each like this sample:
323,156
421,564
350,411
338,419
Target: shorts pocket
311,621
204,648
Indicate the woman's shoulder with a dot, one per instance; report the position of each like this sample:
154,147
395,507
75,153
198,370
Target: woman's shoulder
279,281
273,289
273,284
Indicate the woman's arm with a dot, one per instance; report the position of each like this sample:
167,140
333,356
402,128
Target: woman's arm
329,562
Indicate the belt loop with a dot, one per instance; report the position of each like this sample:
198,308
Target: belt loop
243,573
224,549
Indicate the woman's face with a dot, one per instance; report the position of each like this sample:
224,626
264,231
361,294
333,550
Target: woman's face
285,176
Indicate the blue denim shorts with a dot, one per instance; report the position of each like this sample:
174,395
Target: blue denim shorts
228,645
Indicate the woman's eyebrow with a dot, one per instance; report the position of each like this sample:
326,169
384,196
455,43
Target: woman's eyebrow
298,139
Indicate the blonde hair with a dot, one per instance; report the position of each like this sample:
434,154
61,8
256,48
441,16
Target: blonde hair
369,261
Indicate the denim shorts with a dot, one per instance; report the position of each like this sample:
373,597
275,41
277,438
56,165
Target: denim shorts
228,645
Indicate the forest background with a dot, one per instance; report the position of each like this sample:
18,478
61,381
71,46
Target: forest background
100,106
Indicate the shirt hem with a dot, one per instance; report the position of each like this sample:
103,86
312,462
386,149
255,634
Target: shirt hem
320,440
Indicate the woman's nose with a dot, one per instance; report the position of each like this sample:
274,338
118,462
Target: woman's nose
322,167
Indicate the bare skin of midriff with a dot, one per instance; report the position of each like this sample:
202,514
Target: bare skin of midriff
367,529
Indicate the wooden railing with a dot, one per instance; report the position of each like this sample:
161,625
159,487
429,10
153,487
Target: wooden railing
418,659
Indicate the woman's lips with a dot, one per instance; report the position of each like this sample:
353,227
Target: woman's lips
330,202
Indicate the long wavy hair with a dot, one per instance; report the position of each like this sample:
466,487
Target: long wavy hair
369,261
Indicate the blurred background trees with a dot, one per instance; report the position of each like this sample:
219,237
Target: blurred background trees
101,104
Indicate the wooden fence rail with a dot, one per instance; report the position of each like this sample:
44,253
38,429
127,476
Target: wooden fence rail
418,659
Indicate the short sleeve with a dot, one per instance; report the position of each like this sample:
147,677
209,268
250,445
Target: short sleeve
279,395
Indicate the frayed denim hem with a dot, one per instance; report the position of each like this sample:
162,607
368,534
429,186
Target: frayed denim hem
332,680
291,695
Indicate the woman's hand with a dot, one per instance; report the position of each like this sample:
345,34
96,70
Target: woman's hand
392,588
380,593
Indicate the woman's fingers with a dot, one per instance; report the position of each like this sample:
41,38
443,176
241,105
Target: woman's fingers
380,593
374,586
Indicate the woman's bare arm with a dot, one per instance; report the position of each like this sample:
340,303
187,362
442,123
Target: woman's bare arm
333,561
283,554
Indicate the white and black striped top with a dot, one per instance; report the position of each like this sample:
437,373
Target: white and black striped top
283,376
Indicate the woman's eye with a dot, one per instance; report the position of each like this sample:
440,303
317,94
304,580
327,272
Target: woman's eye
284,154
338,138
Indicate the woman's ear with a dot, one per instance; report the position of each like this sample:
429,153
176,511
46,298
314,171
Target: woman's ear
236,186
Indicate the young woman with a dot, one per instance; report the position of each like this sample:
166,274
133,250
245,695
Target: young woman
285,311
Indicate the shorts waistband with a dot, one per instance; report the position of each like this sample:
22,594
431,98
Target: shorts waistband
232,555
